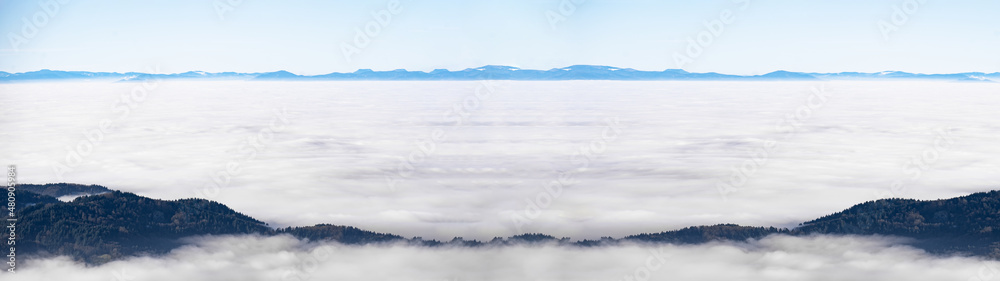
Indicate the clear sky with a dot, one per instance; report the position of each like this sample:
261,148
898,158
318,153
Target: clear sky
308,37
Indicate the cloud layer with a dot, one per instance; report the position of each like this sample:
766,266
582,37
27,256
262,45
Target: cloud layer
771,258
338,158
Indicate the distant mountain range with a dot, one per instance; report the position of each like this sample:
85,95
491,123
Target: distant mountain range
497,72
111,225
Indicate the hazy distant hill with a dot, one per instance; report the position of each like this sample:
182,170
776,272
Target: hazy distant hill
115,224
494,72
103,227
342,234
63,189
702,234
968,224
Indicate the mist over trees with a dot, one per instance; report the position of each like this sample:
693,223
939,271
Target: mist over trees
111,225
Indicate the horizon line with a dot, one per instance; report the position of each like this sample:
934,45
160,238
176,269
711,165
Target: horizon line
513,68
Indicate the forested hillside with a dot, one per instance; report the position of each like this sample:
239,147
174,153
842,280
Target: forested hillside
111,225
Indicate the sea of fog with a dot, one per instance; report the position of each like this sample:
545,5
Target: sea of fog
287,259
475,159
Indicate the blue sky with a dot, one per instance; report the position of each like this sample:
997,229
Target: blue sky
308,37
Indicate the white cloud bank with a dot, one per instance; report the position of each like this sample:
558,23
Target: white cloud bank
678,139
771,258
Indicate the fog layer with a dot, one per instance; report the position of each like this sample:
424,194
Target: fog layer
569,158
771,258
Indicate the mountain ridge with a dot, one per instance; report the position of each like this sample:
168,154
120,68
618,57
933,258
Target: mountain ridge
495,72
111,225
